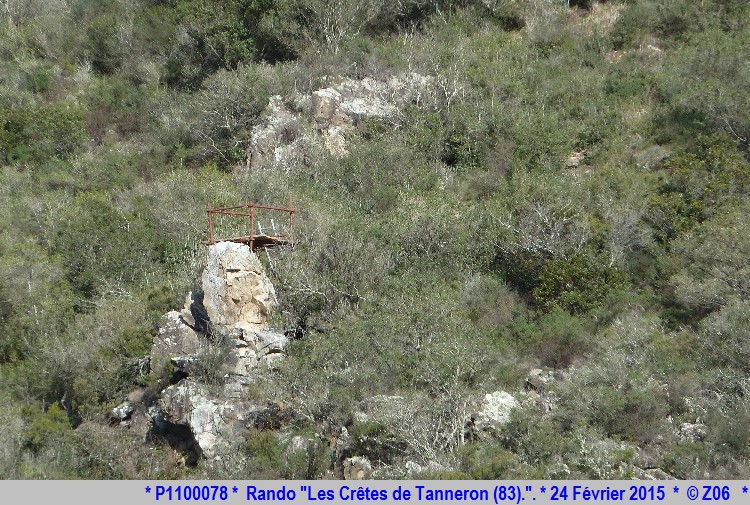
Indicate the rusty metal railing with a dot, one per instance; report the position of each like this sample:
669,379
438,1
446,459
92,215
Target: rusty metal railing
250,210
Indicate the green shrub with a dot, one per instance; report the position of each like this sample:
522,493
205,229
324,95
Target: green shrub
226,34
625,83
115,104
38,80
576,284
489,463
490,301
36,132
101,245
556,338
632,414
46,429
686,460
725,338
264,454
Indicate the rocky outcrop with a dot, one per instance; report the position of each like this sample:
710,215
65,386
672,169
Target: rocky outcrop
214,420
236,291
324,118
121,413
217,344
254,349
279,139
351,102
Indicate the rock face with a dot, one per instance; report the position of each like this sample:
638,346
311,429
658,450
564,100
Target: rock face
213,420
174,340
231,317
236,291
278,140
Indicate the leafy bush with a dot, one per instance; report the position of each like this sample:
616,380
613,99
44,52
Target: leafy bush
556,338
115,104
725,337
46,429
215,35
265,454
103,247
35,132
576,284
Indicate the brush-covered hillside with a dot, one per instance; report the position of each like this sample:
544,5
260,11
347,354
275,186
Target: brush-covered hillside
543,201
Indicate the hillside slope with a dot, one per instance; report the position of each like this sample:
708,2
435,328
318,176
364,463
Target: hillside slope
536,198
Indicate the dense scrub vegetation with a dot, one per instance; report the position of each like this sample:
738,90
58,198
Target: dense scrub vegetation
441,259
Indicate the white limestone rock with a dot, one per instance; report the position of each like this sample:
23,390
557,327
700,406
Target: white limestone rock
236,291
494,411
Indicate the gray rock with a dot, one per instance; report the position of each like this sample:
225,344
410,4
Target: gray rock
330,113
242,361
278,139
188,404
357,468
494,411
324,104
238,297
237,293
269,342
122,412
692,432
174,338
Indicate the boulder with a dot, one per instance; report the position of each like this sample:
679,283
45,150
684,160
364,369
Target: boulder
122,412
261,348
269,342
494,411
357,468
236,291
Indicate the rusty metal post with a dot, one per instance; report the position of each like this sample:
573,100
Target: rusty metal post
252,226
291,221
210,225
